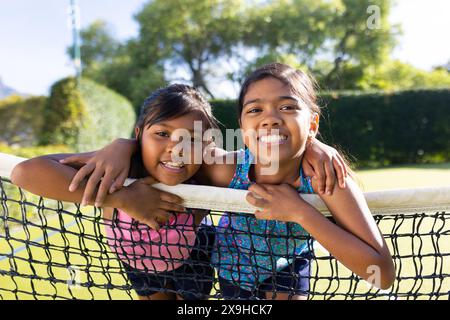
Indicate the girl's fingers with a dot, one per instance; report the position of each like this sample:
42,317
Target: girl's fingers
119,181
105,185
343,164
259,190
155,219
91,186
71,159
256,201
339,172
169,197
330,178
262,215
80,176
320,177
169,206
161,216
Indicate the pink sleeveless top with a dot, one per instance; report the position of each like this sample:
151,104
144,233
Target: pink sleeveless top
147,249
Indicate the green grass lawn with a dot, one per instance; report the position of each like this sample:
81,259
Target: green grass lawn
406,176
12,287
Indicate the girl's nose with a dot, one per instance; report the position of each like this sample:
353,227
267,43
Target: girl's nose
272,120
176,146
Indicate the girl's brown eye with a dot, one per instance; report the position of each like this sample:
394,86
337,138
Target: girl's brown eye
162,134
254,110
289,107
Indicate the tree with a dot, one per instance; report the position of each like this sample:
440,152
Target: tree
191,33
356,45
286,27
124,67
345,44
397,75
445,67
98,46
335,40
289,31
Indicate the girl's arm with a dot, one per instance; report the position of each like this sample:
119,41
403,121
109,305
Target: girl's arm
324,164
109,167
320,161
218,168
47,177
354,240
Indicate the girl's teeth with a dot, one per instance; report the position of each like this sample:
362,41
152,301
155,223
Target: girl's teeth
272,138
173,164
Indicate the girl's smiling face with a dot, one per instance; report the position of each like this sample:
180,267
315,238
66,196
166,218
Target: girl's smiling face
161,140
280,119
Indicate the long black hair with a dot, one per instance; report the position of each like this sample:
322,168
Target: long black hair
172,102
303,85
168,103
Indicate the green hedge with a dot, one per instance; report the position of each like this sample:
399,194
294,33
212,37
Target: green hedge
21,120
85,115
379,128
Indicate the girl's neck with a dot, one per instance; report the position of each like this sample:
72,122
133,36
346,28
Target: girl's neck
288,172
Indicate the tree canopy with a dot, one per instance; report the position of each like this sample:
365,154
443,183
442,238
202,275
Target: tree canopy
345,44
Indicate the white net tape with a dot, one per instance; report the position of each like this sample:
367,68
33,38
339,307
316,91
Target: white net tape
231,200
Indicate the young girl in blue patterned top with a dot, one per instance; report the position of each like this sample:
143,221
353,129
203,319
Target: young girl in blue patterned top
270,254
265,256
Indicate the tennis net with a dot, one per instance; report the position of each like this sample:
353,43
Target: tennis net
56,250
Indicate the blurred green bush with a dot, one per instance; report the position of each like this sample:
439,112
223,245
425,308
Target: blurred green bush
21,120
85,115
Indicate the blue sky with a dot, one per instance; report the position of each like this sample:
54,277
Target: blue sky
34,35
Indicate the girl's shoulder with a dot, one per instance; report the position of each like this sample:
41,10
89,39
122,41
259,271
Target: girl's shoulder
218,169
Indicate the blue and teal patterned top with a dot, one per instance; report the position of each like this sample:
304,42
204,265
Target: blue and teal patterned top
249,250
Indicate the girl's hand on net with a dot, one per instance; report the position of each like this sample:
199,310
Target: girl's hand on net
324,163
277,202
149,205
109,165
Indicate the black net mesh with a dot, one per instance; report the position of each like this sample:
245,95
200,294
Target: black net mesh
54,250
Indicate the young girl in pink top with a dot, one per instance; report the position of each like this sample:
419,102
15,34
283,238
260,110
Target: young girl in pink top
154,258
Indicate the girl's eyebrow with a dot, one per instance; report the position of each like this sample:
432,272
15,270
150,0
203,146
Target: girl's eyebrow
288,98
251,101
172,127
279,99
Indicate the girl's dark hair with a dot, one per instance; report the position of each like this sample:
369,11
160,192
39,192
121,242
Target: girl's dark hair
168,103
301,84
171,102
298,81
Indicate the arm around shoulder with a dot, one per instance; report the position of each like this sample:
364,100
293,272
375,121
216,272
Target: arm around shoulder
218,170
